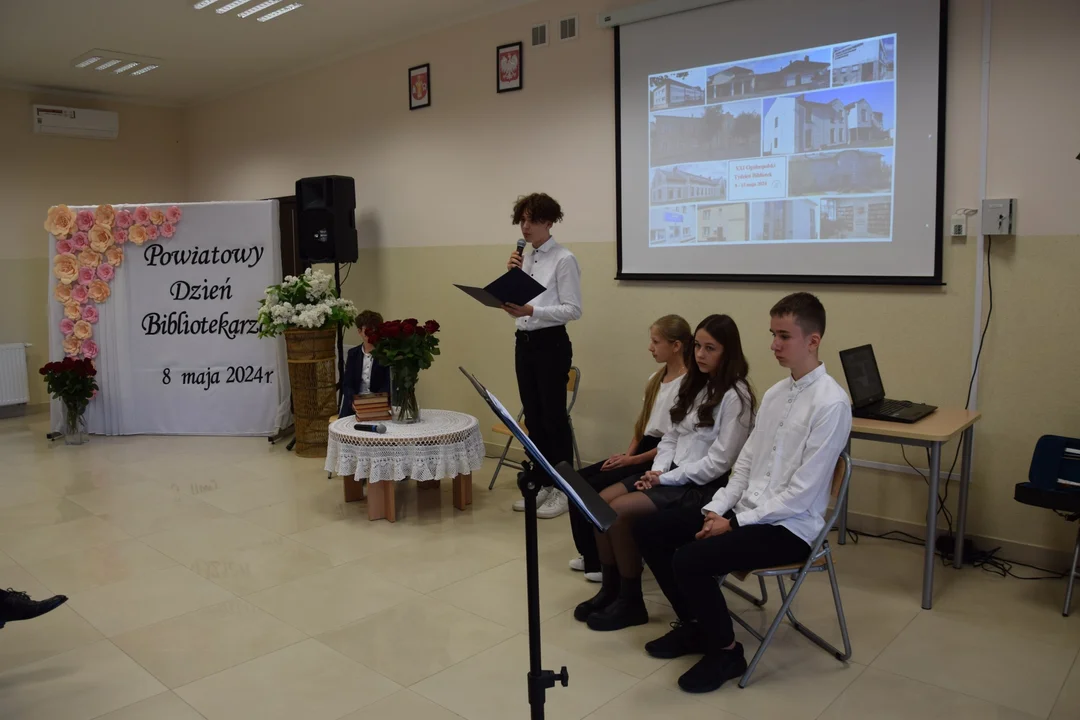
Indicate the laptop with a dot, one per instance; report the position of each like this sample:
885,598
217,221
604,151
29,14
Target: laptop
868,394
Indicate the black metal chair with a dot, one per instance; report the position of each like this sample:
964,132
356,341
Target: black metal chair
1054,483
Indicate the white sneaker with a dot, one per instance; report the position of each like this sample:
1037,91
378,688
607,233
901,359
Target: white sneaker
553,506
594,577
578,564
541,497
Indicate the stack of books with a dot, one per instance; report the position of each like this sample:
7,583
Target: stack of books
372,407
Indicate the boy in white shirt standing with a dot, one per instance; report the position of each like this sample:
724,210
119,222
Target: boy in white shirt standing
770,511
542,351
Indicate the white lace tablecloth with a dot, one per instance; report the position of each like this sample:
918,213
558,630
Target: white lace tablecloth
444,444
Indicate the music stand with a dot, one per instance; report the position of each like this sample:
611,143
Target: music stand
579,492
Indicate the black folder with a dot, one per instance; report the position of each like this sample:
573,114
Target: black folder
515,287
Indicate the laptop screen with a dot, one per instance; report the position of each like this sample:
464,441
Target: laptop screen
863,378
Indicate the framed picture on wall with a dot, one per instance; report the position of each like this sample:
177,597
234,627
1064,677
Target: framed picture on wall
420,86
509,67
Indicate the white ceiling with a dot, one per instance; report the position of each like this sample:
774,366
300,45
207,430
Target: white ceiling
203,54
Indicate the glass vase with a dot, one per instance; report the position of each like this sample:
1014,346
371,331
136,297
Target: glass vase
403,403
75,432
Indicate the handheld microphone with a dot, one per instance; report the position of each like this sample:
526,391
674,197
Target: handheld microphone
363,427
521,247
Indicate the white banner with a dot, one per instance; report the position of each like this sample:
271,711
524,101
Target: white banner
179,352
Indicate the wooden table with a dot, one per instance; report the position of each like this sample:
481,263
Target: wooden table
444,444
931,432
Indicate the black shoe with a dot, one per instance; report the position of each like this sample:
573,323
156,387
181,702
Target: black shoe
18,606
714,670
609,593
624,612
685,638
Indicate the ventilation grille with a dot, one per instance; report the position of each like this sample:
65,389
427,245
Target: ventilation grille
539,35
568,28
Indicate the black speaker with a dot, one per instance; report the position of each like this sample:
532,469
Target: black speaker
326,219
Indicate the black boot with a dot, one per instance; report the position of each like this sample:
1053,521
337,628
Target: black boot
627,611
16,605
609,592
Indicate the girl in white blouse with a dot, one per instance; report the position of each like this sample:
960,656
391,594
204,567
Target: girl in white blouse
670,343
711,419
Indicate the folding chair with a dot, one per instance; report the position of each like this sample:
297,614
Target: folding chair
573,381
1054,483
819,560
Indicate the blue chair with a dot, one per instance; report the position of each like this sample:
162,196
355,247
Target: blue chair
1054,483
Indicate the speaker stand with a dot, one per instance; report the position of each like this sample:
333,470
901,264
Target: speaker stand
340,340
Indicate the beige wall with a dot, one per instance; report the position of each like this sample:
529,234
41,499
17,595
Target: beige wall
146,164
434,189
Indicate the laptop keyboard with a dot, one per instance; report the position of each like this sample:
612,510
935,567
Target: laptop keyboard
891,407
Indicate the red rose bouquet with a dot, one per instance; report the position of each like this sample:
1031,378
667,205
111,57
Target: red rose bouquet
406,347
73,383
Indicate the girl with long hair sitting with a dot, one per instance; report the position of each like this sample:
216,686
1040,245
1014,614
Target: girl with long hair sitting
711,419
671,344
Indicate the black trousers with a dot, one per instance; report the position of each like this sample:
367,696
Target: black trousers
686,569
542,359
598,479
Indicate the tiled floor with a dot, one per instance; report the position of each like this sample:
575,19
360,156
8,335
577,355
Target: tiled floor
224,579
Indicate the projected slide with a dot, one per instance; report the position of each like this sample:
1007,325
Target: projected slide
796,147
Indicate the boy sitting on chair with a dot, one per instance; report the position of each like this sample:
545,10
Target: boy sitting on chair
768,514
363,374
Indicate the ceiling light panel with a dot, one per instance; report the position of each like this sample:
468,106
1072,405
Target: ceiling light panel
278,13
258,8
231,6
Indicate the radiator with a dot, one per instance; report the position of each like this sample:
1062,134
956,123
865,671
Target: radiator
14,386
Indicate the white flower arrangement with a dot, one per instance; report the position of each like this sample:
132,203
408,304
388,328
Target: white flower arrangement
306,302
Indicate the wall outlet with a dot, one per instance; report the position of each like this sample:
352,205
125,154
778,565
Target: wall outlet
999,217
958,226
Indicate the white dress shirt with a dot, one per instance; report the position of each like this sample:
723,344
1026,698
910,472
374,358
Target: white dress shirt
785,470
365,375
703,454
660,416
556,268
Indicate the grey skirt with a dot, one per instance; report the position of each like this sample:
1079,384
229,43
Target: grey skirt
691,495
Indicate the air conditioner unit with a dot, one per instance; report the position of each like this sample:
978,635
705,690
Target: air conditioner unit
76,122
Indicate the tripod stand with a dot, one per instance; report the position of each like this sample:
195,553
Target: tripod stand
539,680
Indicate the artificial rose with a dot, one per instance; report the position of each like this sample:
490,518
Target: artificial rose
72,310
137,234
80,240
114,256
174,214
67,325
99,291
123,219
157,217
105,215
79,293
66,268
60,221
84,220
101,238
89,258
152,232
106,272
64,246
90,314
82,330
62,293
168,230
71,345
86,275
431,327
89,350
120,235
142,215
